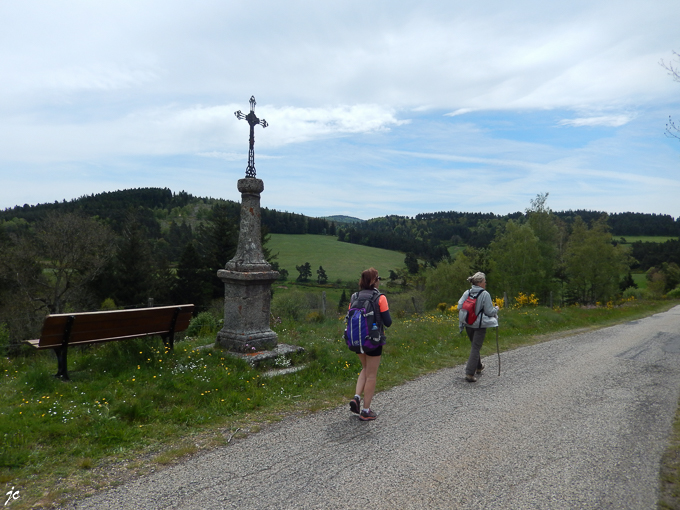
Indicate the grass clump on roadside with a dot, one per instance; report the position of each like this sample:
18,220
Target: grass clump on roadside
136,401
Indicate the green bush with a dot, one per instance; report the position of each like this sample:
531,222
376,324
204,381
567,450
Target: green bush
315,316
636,293
204,324
108,304
447,282
675,293
290,305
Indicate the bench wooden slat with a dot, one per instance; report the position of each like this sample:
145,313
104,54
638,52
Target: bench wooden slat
92,327
67,329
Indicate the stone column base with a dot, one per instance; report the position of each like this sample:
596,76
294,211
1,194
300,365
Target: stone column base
235,341
247,298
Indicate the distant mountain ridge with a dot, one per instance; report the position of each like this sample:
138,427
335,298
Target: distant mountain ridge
157,208
428,235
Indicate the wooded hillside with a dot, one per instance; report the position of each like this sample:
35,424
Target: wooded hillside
122,248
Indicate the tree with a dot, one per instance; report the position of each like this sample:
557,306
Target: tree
344,301
190,287
164,283
627,282
283,273
321,275
74,250
671,129
411,263
17,309
305,271
663,279
593,264
133,267
447,282
517,260
217,243
544,226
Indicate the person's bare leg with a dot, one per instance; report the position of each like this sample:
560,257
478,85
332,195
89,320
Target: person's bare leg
371,374
361,380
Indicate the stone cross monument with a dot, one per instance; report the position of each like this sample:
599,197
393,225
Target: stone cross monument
248,277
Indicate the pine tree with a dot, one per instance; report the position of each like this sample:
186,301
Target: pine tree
305,271
190,287
321,276
342,305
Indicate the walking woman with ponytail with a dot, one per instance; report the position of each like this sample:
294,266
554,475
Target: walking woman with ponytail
369,358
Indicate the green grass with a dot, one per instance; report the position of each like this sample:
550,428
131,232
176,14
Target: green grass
133,405
669,486
640,279
455,250
341,261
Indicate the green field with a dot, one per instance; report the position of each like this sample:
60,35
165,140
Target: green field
644,239
640,279
341,261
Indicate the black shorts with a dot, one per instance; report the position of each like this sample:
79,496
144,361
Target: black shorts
368,352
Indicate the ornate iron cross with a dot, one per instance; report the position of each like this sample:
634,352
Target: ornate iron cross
253,121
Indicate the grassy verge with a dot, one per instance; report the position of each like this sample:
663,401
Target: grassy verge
132,407
669,476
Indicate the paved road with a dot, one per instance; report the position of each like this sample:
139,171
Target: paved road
574,423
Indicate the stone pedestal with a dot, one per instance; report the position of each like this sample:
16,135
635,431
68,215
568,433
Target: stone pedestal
248,278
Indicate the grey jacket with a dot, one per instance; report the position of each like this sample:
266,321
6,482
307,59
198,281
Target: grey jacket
488,319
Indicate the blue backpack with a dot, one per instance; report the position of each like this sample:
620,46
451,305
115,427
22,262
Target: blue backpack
364,322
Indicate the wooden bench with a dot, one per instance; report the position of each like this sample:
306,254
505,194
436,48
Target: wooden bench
60,331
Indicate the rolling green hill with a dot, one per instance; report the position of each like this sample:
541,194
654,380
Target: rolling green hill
341,261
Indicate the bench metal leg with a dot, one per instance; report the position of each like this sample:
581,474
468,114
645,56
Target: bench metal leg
61,351
61,363
169,338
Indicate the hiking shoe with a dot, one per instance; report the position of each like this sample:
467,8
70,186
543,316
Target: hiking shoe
367,415
470,378
355,405
479,370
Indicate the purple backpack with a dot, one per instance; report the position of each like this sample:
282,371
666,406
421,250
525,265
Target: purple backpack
364,321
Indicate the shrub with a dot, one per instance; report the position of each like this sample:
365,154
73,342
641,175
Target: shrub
315,317
405,303
523,300
108,304
204,324
447,281
675,293
632,292
290,305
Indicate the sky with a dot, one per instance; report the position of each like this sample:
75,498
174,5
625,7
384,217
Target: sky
373,107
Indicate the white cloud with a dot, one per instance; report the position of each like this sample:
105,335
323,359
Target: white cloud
98,77
92,89
602,120
459,111
291,124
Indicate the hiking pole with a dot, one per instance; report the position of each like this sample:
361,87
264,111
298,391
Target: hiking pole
498,350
